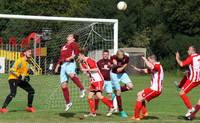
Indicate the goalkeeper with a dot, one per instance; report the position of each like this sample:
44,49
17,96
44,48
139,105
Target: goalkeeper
19,77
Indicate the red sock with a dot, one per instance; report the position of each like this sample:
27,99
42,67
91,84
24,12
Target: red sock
77,81
186,101
137,109
107,102
111,101
66,95
124,88
92,105
96,103
197,108
119,102
144,110
182,82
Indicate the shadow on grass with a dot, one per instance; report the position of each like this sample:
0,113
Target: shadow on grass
67,115
150,118
20,110
85,112
184,118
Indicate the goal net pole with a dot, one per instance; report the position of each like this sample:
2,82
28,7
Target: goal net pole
75,19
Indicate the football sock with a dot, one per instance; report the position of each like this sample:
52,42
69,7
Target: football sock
144,110
78,83
186,101
119,102
197,107
92,105
96,103
107,102
124,88
66,95
137,109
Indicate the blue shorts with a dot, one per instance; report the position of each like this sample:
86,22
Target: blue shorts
108,86
66,69
117,78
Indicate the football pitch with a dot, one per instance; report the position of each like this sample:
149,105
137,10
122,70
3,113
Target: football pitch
49,102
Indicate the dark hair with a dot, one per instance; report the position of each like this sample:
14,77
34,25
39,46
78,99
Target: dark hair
153,57
76,36
84,51
105,51
26,49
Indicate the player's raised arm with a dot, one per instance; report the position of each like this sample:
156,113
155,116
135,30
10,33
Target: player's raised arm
178,59
139,70
184,63
149,64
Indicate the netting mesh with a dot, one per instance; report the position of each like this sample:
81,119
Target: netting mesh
93,36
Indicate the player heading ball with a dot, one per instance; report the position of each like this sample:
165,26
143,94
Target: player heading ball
67,61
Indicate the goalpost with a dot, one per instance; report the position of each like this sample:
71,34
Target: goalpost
48,35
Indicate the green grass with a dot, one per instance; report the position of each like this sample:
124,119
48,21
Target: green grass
49,103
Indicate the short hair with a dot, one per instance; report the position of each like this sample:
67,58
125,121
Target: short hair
194,48
153,57
26,49
76,36
105,51
84,51
120,50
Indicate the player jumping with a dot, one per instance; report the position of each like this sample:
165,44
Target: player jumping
96,79
118,74
193,80
154,68
19,77
68,54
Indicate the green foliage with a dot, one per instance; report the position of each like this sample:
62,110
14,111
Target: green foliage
163,26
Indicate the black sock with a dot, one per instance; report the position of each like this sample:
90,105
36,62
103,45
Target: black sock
7,101
30,99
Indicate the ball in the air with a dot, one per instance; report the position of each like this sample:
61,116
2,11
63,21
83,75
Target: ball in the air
122,5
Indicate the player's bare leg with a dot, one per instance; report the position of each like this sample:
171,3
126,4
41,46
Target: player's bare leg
106,102
65,89
186,102
78,83
91,105
197,108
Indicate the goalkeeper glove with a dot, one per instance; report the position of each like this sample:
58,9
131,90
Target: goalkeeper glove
24,78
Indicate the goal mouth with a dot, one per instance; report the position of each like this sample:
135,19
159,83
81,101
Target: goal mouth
45,36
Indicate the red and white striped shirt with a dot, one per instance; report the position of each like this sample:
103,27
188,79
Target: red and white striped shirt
93,76
194,65
156,77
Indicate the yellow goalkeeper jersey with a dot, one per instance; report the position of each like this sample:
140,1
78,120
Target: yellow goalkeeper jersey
20,67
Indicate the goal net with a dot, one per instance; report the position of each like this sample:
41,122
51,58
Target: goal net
46,36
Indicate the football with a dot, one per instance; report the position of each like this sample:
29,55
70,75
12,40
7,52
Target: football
122,6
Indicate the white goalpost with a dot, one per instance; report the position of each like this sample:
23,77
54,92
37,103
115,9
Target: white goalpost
50,34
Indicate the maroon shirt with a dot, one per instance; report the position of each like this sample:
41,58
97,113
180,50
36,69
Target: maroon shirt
104,66
120,63
68,50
